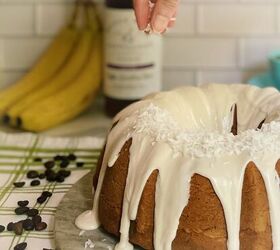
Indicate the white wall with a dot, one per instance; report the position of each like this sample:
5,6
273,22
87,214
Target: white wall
213,41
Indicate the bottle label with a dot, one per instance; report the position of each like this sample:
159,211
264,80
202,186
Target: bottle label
132,58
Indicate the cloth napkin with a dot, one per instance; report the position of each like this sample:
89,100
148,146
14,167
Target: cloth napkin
17,154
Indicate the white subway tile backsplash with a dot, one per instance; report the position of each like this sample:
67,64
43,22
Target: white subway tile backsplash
213,40
176,78
10,77
16,20
260,1
21,54
253,52
199,52
219,76
235,19
185,21
1,55
51,17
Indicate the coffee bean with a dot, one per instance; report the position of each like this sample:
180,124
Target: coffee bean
32,174
59,178
21,210
80,164
28,225
41,226
37,159
49,164
37,219
42,199
10,226
35,183
19,184
18,228
50,175
64,158
72,157
23,203
46,193
21,246
64,164
49,171
2,228
64,173
32,212
57,158
42,176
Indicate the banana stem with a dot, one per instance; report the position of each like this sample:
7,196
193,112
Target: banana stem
75,14
95,21
87,15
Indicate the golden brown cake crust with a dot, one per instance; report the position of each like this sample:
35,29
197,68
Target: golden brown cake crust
202,224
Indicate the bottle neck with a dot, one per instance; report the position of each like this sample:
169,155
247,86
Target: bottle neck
120,4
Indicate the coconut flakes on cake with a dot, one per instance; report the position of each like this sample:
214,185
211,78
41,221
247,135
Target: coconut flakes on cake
159,125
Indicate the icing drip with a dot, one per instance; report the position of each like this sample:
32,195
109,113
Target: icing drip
201,142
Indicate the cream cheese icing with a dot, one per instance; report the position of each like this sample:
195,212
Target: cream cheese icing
187,131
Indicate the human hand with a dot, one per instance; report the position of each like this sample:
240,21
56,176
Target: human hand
160,16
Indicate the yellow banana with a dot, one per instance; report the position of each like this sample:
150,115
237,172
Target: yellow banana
76,63
46,67
68,103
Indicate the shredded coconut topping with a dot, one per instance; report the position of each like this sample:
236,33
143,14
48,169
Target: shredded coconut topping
159,125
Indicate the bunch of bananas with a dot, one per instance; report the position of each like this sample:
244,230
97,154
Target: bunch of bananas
63,82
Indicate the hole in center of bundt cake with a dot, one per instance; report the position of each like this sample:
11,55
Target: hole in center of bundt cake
234,120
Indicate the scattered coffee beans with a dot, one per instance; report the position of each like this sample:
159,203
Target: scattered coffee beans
57,158
10,226
42,199
64,173
18,228
32,212
21,210
37,159
64,164
49,164
59,178
50,175
41,226
37,219
32,174
35,183
80,164
72,157
19,184
28,225
23,203
42,176
21,246
2,228
46,193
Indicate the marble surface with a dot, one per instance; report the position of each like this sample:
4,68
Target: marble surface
76,201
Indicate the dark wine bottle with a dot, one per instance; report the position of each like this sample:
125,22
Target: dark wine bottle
132,67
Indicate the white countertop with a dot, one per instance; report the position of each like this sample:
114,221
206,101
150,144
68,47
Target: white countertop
92,123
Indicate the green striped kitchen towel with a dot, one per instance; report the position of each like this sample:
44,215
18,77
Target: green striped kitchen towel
17,154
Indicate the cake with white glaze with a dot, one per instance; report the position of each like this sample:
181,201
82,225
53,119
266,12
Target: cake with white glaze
192,168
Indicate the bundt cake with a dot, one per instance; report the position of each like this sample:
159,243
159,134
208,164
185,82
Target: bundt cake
192,168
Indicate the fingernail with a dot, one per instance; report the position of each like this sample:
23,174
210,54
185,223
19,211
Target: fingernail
160,23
